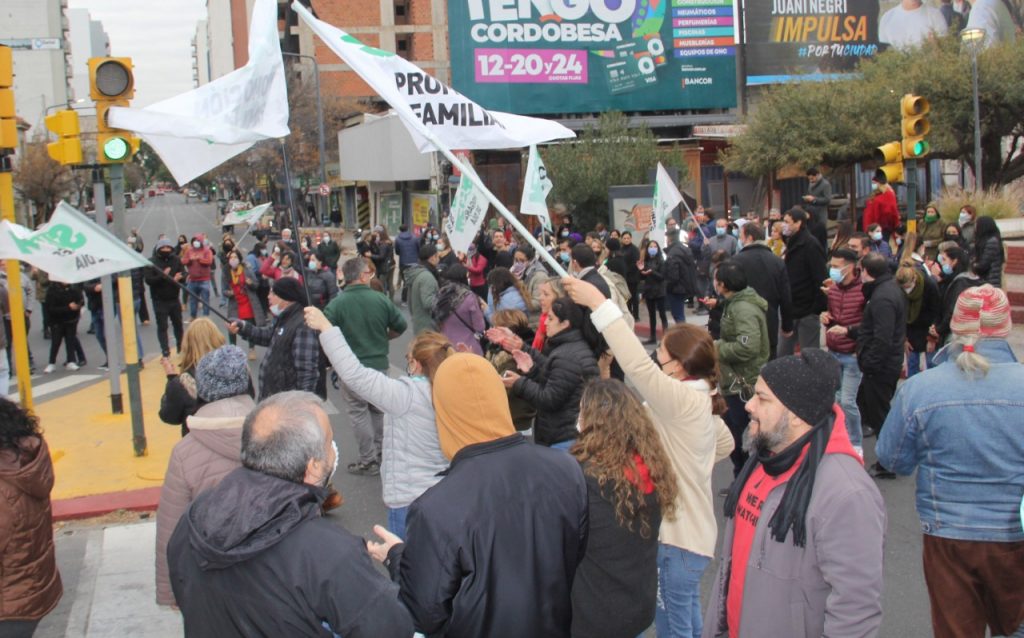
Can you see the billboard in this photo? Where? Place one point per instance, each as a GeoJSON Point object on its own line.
{"type": "Point", "coordinates": [555, 56]}
{"type": "Point", "coordinates": [819, 39]}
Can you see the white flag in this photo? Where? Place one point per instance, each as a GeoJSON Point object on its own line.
{"type": "Point", "coordinates": [70, 247]}
{"type": "Point", "coordinates": [666, 198]}
{"type": "Point", "coordinates": [536, 187]}
{"type": "Point", "coordinates": [467, 214]}
{"type": "Point", "coordinates": [199, 130]}
{"type": "Point", "coordinates": [428, 106]}
{"type": "Point", "coordinates": [249, 216]}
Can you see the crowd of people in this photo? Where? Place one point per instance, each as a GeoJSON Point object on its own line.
{"type": "Point", "coordinates": [546, 474]}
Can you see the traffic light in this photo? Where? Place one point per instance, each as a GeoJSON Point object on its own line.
{"type": "Point", "coordinates": [915, 126]}
{"type": "Point", "coordinates": [889, 158]}
{"type": "Point", "coordinates": [8, 122]}
{"type": "Point", "coordinates": [111, 83]}
{"type": "Point", "coordinates": [68, 147]}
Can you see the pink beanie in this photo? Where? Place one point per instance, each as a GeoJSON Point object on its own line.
{"type": "Point", "coordinates": [983, 311]}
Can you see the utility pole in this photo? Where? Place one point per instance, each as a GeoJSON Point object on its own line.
{"type": "Point", "coordinates": [99, 197]}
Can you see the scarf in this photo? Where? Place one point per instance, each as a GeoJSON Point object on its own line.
{"type": "Point", "coordinates": [449, 298]}
{"type": "Point", "coordinates": [793, 509]}
{"type": "Point", "coordinates": [238, 276]}
{"type": "Point", "coordinates": [916, 298]}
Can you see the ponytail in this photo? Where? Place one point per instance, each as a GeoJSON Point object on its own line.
{"type": "Point", "coordinates": [970, 362]}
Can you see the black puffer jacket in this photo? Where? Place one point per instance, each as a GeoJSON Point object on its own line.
{"type": "Point", "coordinates": [883, 330]}
{"type": "Point", "coordinates": [766, 274]}
{"type": "Point", "coordinates": [807, 269]}
{"type": "Point", "coordinates": [988, 262]}
{"type": "Point", "coordinates": [253, 556]}
{"type": "Point", "coordinates": [59, 298]}
{"type": "Point", "coordinates": [555, 383]}
{"type": "Point", "coordinates": [680, 271]}
{"type": "Point", "coordinates": [160, 287]}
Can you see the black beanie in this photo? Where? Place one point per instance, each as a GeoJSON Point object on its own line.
{"type": "Point", "coordinates": [289, 289]}
{"type": "Point", "coordinates": [805, 383]}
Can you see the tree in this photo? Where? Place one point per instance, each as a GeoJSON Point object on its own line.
{"type": "Point", "coordinates": [608, 154]}
{"type": "Point", "coordinates": [841, 122]}
{"type": "Point", "coordinates": [153, 168]}
{"type": "Point", "coordinates": [41, 180]}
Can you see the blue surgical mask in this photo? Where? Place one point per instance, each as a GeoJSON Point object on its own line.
{"type": "Point", "coordinates": [720, 230]}
{"type": "Point", "coordinates": [947, 269]}
{"type": "Point", "coordinates": [876, 236]}
{"type": "Point", "coordinates": [652, 251]}
{"type": "Point", "coordinates": [735, 233]}
{"type": "Point", "coordinates": [964, 218]}
{"type": "Point", "coordinates": [564, 257]}
{"type": "Point", "coordinates": [836, 275]}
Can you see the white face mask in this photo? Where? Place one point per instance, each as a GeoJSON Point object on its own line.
{"type": "Point", "coordinates": [233, 263]}
{"type": "Point", "coordinates": [275, 310]}
{"type": "Point", "coordinates": [334, 446]}
{"type": "Point", "coordinates": [327, 239]}
{"type": "Point", "coordinates": [197, 245]}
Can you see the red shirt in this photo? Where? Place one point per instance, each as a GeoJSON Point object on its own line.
{"type": "Point", "coordinates": [748, 513]}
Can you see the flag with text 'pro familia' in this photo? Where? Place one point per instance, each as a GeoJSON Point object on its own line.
{"type": "Point", "coordinates": [203, 128]}
{"type": "Point", "coordinates": [429, 107]}
{"type": "Point", "coordinates": [536, 187]}
{"type": "Point", "coordinates": [666, 198]}
{"type": "Point", "coordinates": [467, 214]}
{"type": "Point", "coordinates": [70, 247]}
{"type": "Point", "coordinates": [249, 216]}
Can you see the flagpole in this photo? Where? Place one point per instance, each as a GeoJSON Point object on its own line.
{"type": "Point", "coordinates": [191, 294]}
{"type": "Point", "coordinates": [473, 177]}
{"type": "Point", "coordinates": [295, 222]}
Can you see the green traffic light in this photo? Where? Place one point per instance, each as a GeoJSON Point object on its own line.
{"type": "Point", "coordinates": [116, 149]}
{"type": "Point", "coordinates": [920, 147]}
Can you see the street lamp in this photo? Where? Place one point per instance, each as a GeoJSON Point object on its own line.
{"type": "Point", "coordinates": [320, 123]}
{"type": "Point", "coordinates": [974, 41]}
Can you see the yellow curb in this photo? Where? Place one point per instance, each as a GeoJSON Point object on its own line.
{"type": "Point", "coordinates": [92, 449]}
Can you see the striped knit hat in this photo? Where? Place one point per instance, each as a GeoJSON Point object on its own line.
{"type": "Point", "coordinates": [983, 311]}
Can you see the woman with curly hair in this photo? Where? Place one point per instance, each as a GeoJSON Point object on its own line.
{"type": "Point", "coordinates": [30, 584]}
{"type": "Point", "coordinates": [630, 488]}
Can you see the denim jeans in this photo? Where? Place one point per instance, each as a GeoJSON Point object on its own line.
{"type": "Point", "coordinates": [677, 305]}
{"type": "Point", "coordinates": [678, 613]}
{"type": "Point", "coordinates": [201, 288]}
{"type": "Point", "coordinates": [396, 520]}
{"type": "Point", "coordinates": [563, 445]}
{"type": "Point", "coordinates": [914, 362]}
{"type": "Point", "coordinates": [847, 395]}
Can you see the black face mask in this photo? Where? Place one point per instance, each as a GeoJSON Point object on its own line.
{"type": "Point", "coordinates": [165, 253]}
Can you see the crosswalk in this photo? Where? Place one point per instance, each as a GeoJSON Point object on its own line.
{"type": "Point", "coordinates": [62, 383]}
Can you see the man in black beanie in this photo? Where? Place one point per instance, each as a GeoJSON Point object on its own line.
{"type": "Point", "coordinates": [292, 360]}
{"type": "Point", "coordinates": [804, 520]}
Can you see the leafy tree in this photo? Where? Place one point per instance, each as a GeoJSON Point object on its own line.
{"type": "Point", "coordinates": [841, 122]}
{"type": "Point", "coordinates": [153, 168]}
{"type": "Point", "coordinates": [41, 180]}
{"type": "Point", "coordinates": [608, 154]}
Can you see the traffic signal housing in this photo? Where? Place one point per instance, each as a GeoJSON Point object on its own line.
{"type": "Point", "coordinates": [112, 83]}
{"type": "Point", "coordinates": [889, 158]}
{"type": "Point", "coordinates": [8, 121]}
{"type": "Point", "coordinates": [915, 126]}
{"type": "Point", "coordinates": [68, 147]}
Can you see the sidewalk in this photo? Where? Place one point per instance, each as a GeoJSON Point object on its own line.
{"type": "Point", "coordinates": [109, 587]}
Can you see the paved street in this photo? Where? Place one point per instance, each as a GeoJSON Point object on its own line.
{"type": "Point", "coordinates": [98, 563]}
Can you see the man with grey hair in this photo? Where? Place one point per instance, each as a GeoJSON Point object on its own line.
{"type": "Point", "coordinates": [254, 556]}
{"type": "Point", "coordinates": [368, 320]}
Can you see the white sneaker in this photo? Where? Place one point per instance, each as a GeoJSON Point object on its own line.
{"type": "Point", "coordinates": [72, 366]}
{"type": "Point", "coordinates": [50, 368]}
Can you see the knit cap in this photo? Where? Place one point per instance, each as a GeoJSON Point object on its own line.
{"type": "Point", "coordinates": [164, 243]}
{"type": "Point", "coordinates": [983, 311]}
{"type": "Point", "coordinates": [805, 383]}
{"type": "Point", "coordinates": [222, 373]}
{"type": "Point", "coordinates": [470, 403]}
{"type": "Point", "coordinates": [290, 289]}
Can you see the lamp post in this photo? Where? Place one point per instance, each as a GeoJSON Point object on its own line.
{"type": "Point", "coordinates": [974, 40]}
{"type": "Point", "coordinates": [320, 125]}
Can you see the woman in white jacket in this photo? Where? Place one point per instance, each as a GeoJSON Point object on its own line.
{"type": "Point", "coordinates": [410, 449]}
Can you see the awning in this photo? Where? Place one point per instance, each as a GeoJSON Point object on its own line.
{"type": "Point", "coordinates": [381, 150]}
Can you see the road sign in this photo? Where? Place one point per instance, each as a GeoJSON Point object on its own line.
{"type": "Point", "coordinates": [325, 190]}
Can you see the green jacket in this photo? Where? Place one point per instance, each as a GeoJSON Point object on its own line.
{"type": "Point", "coordinates": [743, 347]}
{"type": "Point", "coordinates": [366, 318]}
{"type": "Point", "coordinates": [422, 293]}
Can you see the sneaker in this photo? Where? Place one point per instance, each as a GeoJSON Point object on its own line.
{"type": "Point", "coordinates": [880, 472]}
{"type": "Point", "coordinates": [372, 468]}
{"type": "Point", "coordinates": [72, 366]}
{"type": "Point", "coordinates": [49, 368]}
{"type": "Point", "coordinates": [104, 366]}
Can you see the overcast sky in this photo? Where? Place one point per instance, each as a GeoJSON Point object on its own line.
{"type": "Point", "coordinates": [157, 35]}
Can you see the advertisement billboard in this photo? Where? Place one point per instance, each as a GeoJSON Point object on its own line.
{"type": "Point", "coordinates": [818, 39]}
{"type": "Point", "coordinates": [553, 56]}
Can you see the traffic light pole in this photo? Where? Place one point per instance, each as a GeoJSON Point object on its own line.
{"type": "Point", "coordinates": [107, 291]}
{"type": "Point", "coordinates": [128, 317]}
{"type": "Point", "coordinates": [910, 172]}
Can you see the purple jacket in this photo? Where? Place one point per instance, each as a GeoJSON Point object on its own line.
{"type": "Point", "coordinates": [457, 326]}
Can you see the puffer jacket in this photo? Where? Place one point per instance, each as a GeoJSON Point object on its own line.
{"type": "Point", "coordinates": [846, 308]}
{"type": "Point", "coordinates": [743, 346]}
{"type": "Point", "coordinates": [988, 264]}
{"type": "Point", "coordinates": [807, 267]}
{"type": "Point", "coordinates": [30, 584]}
{"type": "Point", "coordinates": [199, 461]}
{"type": "Point", "coordinates": [555, 384]}
{"type": "Point", "coordinates": [411, 453]}
{"type": "Point", "coordinates": [883, 329]}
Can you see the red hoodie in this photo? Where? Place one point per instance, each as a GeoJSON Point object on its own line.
{"type": "Point", "coordinates": [748, 512]}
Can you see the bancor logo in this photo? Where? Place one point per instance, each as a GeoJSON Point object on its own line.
{"type": "Point", "coordinates": [609, 11]}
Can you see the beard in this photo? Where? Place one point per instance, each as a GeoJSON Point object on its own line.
{"type": "Point", "coordinates": [764, 442]}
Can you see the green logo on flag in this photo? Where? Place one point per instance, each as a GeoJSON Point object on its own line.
{"type": "Point", "coordinates": [366, 49]}
{"type": "Point", "coordinates": [60, 236]}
